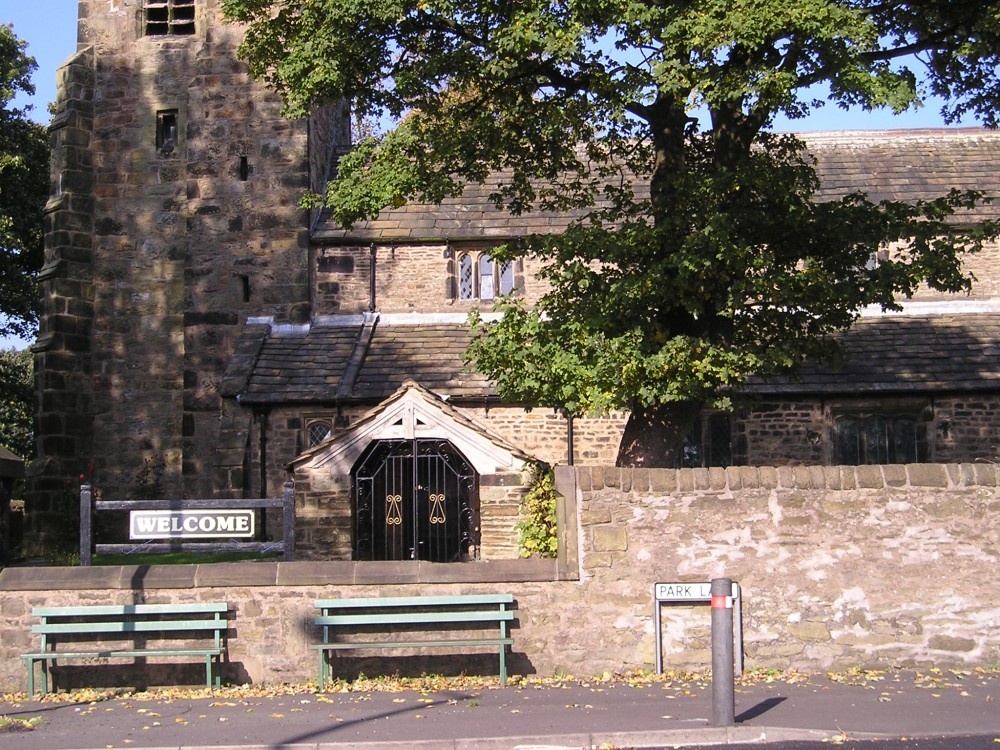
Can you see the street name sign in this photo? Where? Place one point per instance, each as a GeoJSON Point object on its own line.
{"type": "Point", "coordinates": [683, 592]}
{"type": "Point", "coordinates": [696, 592]}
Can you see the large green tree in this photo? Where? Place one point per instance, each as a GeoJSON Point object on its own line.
{"type": "Point", "coordinates": [700, 254]}
{"type": "Point", "coordinates": [17, 398]}
{"type": "Point", "coordinates": [24, 187]}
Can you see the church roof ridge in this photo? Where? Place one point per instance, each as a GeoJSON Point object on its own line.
{"type": "Point", "coordinates": [898, 165]}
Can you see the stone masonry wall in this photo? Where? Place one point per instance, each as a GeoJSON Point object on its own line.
{"type": "Point", "coordinates": [324, 528]}
{"type": "Point", "coordinates": [323, 525]}
{"type": "Point", "coordinates": [541, 433]}
{"type": "Point", "coordinates": [409, 278]}
{"type": "Point", "coordinates": [162, 249]}
{"type": "Point", "coordinates": [966, 426]}
{"type": "Point", "coordinates": [64, 422]}
{"type": "Point", "coordinates": [957, 428]}
{"type": "Point", "coordinates": [839, 566]}
{"type": "Point", "coordinates": [982, 267]}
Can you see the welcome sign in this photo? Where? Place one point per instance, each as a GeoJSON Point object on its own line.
{"type": "Point", "coordinates": [190, 524]}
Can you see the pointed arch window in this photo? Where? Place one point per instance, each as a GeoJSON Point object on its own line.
{"type": "Point", "coordinates": [486, 272]}
{"type": "Point", "coordinates": [319, 430]}
{"type": "Point", "coordinates": [466, 280]}
{"type": "Point", "coordinates": [481, 277]}
{"type": "Point", "coordinates": [506, 277]}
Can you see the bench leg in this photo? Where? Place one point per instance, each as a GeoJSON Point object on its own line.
{"type": "Point", "coordinates": [31, 678]}
{"type": "Point", "coordinates": [503, 666]}
{"type": "Point", "coordinates": [321, 679]}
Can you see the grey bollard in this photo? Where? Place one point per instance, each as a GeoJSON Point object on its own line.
{"type": "Point", "coordinates": [723, 688]}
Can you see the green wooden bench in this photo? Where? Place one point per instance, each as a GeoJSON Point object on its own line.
{"type": "Point", "coordinates": [116, 630]}
{"type": "Point", "coordinates": [396, 622]}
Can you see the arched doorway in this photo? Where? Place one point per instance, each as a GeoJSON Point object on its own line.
{"type": "Point", "coordinates": [414, 499]}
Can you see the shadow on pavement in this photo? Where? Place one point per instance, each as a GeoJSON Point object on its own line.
{"type": "Point", "coordinates": [761, 708]}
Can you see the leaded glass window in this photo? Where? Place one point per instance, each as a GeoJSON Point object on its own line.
{"type": "Point", "coordinates": [466, 281]}
{"type": "Point", "coordinates": [481, 277]}
{"type": "Point", "coordinates": [878, 439]}
{"type": "Point", "coordinates": [486, 277]}
{"type": "Point", "coordinates": [318, 432]}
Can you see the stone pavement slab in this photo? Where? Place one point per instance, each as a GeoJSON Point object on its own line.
{"type": "Point", "coordinates": [616, 714]}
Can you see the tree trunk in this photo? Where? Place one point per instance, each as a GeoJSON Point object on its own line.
{"type": "Point", "coordinates": [654, 436]}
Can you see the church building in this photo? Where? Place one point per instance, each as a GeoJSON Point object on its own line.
{"type": "Point", "coordinates": [205, 336]}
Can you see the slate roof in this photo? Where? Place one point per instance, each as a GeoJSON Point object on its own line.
{"type": "Point", "coordinates": [898, 354]}
{"type": "Point", "coordinates": [310, 366]}
{"type": "Point", "coordinates": [909, 165]}
{"type": "Point", "coordinates": [11, 465]}
{"type": "Point", "coordinates": [430, 355]}
{"type": "Point", "coordinates": [905, 165]}
{"type": "Point", "coordinates": [325, 363]}
{"type": "Point", "coordinates": [295, 367]}
{"type": "Point", "coordinates": [889, 354]}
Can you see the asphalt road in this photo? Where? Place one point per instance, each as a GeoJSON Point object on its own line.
{"type": "Point", "coordinates": [968, 742]}
{"type": "Point", "coordinates": [800, 712]}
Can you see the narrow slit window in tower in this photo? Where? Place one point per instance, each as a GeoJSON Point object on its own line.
{"type": "Point", "coordinates": [166, 131]}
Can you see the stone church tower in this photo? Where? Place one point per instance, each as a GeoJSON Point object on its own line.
{"type": "Point", "coordinates": [173, 217]}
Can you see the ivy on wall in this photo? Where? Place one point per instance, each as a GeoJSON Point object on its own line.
{"type": "Point", "coordinates": [537, 526]}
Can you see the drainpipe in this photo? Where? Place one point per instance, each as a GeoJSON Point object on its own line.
{"type": "Point", "coordinates": [371, 278]}
{"type": "Point", "coordinates": [569, 439]}
{"type": "Point", "coordinates": [263, 470]}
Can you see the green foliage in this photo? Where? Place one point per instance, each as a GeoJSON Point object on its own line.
{"type": "Point", "coordinates": [148, 481]}
{"type": "Point", "coordinates": [537, 527]}
{"type": "Point", "coordinates": [24, 187]}
{"type": "Point", "coordinates": [17, 401]}
{"type": "Point", "coordinates": [699, 253]}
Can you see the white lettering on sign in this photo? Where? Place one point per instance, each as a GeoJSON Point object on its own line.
{"type": "Point", "coordinates": [190, 524]}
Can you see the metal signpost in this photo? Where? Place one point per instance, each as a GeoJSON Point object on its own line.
{"type": "Point", "coordinates": [688, 592]}
{"type": "Point", "coordinates": [723, 687]}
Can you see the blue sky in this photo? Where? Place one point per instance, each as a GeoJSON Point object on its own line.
{"type": "Point", "coordinates": [49, 27]}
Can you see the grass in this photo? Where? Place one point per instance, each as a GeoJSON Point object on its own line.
{"type": "Point", "coordinates": [179, 558]}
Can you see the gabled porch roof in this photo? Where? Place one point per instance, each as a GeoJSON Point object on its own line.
{"type": "Point", "coordinates": [413, 412]}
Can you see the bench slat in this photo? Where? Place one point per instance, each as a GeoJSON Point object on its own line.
{"type": "Point", "coordinates": [359, 645]}
{"type": "Point", "coordinates": [128, 626]}
{"type": "Point", "coordinates": [416, 601]}
{"type": "Point", "coordinates": [111, 610]}
{"type": "Point", "coordinates": [434, 612]}
{"type": "Point", "coordinates": [53, 655]}
{"type": "Point", "coordinates": [60, 626]}
{"type": "Point", "coordinates": [414, 618]}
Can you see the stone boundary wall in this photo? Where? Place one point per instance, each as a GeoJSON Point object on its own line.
{"type": "Point", "coordinates": [840, 566]}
